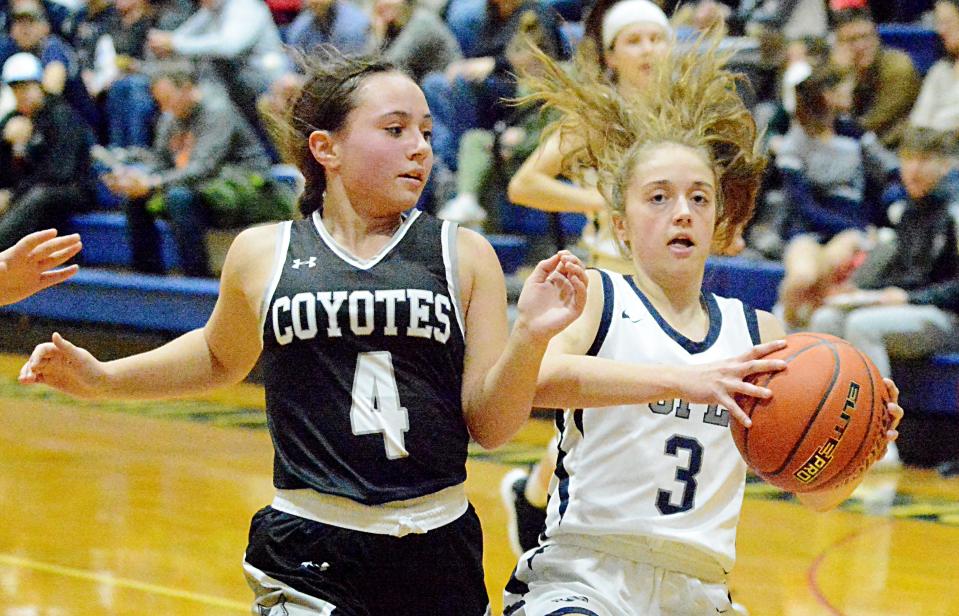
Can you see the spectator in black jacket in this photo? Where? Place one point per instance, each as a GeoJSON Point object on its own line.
{"type": "Point", "coordinates": [44, 156]}
{"type": "Point", "coordinates": [907, 299]}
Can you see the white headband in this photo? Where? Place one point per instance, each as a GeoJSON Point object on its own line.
{"type": "Point", "coordinates": [629, 12]}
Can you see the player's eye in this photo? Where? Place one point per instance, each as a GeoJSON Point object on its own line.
{"type": "Point", "coordinates": [701, 199]}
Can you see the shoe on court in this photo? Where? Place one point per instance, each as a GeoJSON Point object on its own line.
{"type": "Point", "coordinates": [526, 520]}
{"type": "Point", "coordinates": [464, 209]}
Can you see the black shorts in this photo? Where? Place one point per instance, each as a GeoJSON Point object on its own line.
{"type": "Point", "coordinates": [353, 573]}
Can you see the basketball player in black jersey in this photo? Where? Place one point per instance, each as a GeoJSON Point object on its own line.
{"type": "Point", "coordinates": [384, 344]}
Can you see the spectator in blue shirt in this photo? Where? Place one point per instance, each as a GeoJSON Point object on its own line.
{"type": "Point", "coordinates": [335, 22]}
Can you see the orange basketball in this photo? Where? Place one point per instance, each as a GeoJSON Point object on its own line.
{"type": "Point", "coordinates": [826, 421]}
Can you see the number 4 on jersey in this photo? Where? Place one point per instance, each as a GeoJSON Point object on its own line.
{"type": "Point", "coordinates": [376, 403]}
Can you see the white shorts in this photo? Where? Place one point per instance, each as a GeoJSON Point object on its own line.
{"type": "Point", "coordinates": [564, 579]}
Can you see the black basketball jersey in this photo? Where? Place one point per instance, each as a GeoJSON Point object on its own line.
{"type": "Point", "coordinates": [363, 364]}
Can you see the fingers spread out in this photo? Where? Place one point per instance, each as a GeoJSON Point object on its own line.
{"type": "Point", "coordinates": [31, 241]}
{"type": "Point", "coordinates": [756, 366]}
{"type": "Point", "coordinates": [52, 277]}
{"type": "Point", "coordinates": [57, 251]}
{"type": "Point", "coordinates": [738, 414]}
{"type": "Point", "coordinates": [761, 350]}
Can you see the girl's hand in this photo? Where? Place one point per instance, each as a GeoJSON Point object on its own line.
{"type": "Point", "coordinates": [553, 296]}
{"type": "Point", "coordinates": [64, 366]}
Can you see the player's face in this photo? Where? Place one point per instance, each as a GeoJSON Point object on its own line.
{"type": "Point", "coordinates": [635, 51]}
{"type": "Point", "coordinates": [384, 150]}
{"type": "Point", "coordinates": [670, 212]}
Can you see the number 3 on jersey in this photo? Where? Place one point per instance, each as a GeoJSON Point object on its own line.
{"type": "Point", "coordinates": [376, 403]}
{"type": "Point", "coordinates": [684, 474]}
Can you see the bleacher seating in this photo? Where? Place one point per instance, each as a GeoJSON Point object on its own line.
{"type": "Point", "coordinates": [921, 43]}
{"type": "Point", "coordinates": [176, 304]}
{"type": "Point", "coordinates": [138, 302]}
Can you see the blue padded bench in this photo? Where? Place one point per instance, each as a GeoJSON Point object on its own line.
{"type": "Point", "coordinates": [148, 303]}
{"type": "Point", "coordinates": [105, 240]}
{"type": "Point", "coordinates": [930, 385]}
{"type": "Point", "coordinates": [756, 283]}
{"type": "Point", "coordinates": [921, 43]}
{"type": "Point", "coordinates": [105, 243]}
{"type": "Point", "coordinates": [512, 251]}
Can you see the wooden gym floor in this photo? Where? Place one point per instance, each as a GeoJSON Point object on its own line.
{"type": "Point", "coordinates": [141, 509]}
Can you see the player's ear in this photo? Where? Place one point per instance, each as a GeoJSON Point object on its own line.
{"type": "Point", "coordinates": [324, 148]}
{"type": "Point", "coordinates": [620, 227]}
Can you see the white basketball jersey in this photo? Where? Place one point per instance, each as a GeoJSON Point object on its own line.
{"type": "Point", "coordinates": [662, 471]}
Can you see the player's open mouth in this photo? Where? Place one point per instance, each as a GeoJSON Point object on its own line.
{"type": "Point", "coordinates": [681, 241]}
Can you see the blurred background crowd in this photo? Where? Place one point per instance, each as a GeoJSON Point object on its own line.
{"type": "Point", "coordinates": [161, 109]}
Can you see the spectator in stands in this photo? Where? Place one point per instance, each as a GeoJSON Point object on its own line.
{"type": "Point", "coordinates": [91, 24]}
{"type": "Point", "coordinates": [339, 23]}
{"type": "Point", "coordinates": [30, 33]}
{"type": "Point", "coordinates": [170, 14]}
{"type": "Point", "coordinates": [623, 40]}
{"type": "Point", "coordinates": [830, 184]}
{"type": "Point", "coordinates": [938, 103]}
{"type": "Point", "coordinates": [473, 91]}
{"type": "Point", "coordinates": [794, 19]}
{"type": "Point", "coordinates": [413, 38]}
{"type": "Point", "coordinates": [238, 44]}
{"type": "Point", "coordinates": [111, 49]}
{"type": "Point", "coordinates": [490, 156]}
{"type": "Point", "coordinates": [44, 156]}
{"type": "Point", "coordinates": [886, 80]}
{"type": "Point", "coordinates": [905, 300]}
{"type": "Point", "coordinates": [831, 168]}
{"type": "Point", "coordinates": [200, 137]}
{"type": "Point", "coordinates": [28, 266]}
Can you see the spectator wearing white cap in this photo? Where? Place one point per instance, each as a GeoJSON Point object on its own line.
{"type": "Point", "coordinates": [44, 154]}
{"type": "Point", "coordinates": [30, 32]}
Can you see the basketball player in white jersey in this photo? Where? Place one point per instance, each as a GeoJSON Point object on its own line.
{"type": "Point", "coordinates": [383, 338]}
{"type": "Point", "coordinates": [648, 487]}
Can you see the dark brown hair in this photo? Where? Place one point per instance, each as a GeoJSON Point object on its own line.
{"type": "Point", "coordinates": [324, 102]}
{"type": "Point", "coordinates": [848, 16]}
{"type": "Point", "coordinates": [812, 110]}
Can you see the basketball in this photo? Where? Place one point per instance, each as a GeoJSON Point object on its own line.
{"type": "Point", "coordinates": [826, 421]}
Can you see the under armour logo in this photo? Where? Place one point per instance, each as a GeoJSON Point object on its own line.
{"type": "Point", "coordinates": [311, 262]}
{"type": "Point", "coordinates": [631, 319]}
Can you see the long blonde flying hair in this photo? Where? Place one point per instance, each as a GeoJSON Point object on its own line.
{"type": "Point", "coordinates": [690, 99]}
